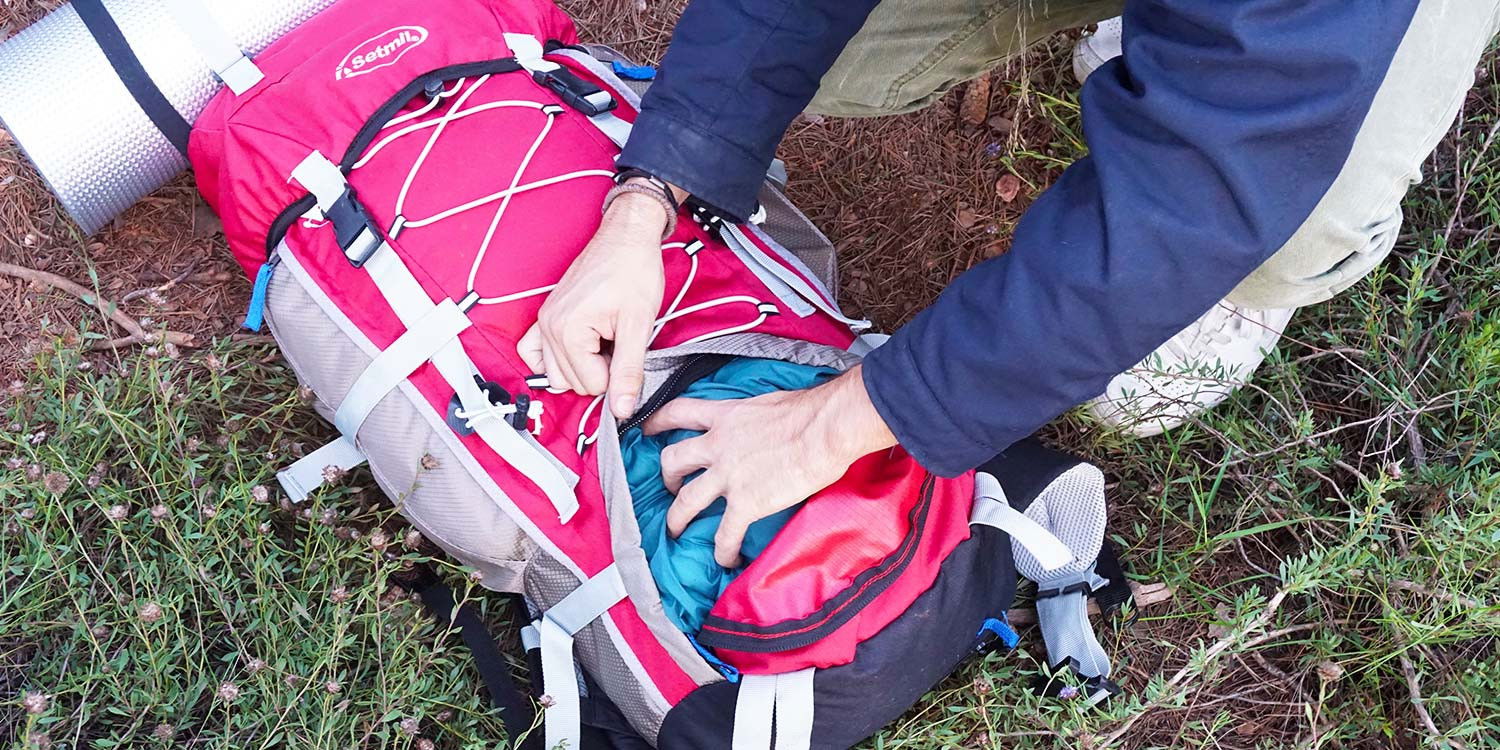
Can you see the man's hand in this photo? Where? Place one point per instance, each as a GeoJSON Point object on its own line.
{"type": "Point", "coordinates": [764, 454]}
{"type": "Point", "coordinates": [612, 292]}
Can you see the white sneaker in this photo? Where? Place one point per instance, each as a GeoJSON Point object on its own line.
{"type": "Point", "coordinates": [1192, 372]}
{"type": "Point", "coordinates": [1097, 48]}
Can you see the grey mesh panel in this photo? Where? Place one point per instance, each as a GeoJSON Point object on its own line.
{"type": "Point", "coordinates": [630, 558]}
{"type": "Point", "coordinates": [547, 583]}
{"type": "Point", "coordinates": [443, 502]}
{"type": "Point", "coordinates": [794, 231]}
{"type": "Point", "coordinates": [1072, 507]}
{"type": "Point", "coordinates": [660, 364]}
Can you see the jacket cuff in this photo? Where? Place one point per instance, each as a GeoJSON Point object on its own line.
{"type": "Point", "coordinates": [915, 415]}
{"type": "Point", "coordinates": [715, 172]}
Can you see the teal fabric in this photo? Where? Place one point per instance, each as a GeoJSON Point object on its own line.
{"type": "Point", "coordinates": [686, 574]}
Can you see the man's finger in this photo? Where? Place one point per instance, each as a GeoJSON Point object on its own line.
{"type": "Point", "coordinates": [681, 459]}
{"type": "Point", "coordinates": [691, 501]}
{"type": "Point", "coordinates": [730, 537]}
{"type": "Point", "coordinates": [627, 366]}
{"type": "Point", "coordinates": [684, 414]}
{"type": "Point", "coordinates": [529, 348]}
{"type": "Point", "coordinates": [556, 381]}
{"type": "Point", "coordinates": [590, 368]}
{"type": "Point", "coordinates": [552, 346]}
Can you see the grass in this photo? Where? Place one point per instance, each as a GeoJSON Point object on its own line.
{"type": "Point", "coordinates": [157, 593]}
{"type": "Point", "coordinates": [1332, 533]}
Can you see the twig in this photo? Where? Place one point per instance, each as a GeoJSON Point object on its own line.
{"type": "Point", "coordinates": [138, 335]}
{"type": "Point", "coordinates": [174, 281]}
{"type": "Point", "coordinates": [1169, 690]}
{"type": "Point", "coordinates": [1146, 594]}
{"type": "Point", "coordinates": [1414, 687]}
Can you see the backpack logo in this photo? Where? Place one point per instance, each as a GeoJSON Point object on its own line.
{"type": "Point", "coordinates": [379, 51]}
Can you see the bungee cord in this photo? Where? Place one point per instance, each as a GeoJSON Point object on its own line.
{"type": "Point", "coordinates": [411, 123]}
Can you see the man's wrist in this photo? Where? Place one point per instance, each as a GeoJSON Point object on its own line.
{"type": "Point", "coordinates": [847, 420]}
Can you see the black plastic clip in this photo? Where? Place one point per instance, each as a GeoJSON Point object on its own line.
{"type": "Point", "coordinates": [497, 396]}
{"type": "Point", "coordinates": [492, 391]}
{"type": "Point", "coordinates": [576, 92]}
{"type": "Point", "coordinates": [354, 229]}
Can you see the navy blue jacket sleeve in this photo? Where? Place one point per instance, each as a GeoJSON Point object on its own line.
{"type": "Point", "coordinates": [1208, 151]}
{"type": "Point", "coordinates": [735, 75]}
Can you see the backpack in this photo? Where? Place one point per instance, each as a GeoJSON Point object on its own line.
{"type": "Point", "coordinates": [404, 183]}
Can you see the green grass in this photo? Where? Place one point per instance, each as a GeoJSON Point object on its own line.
{"type": "Point", "coordinates": [1332, 533]}
{"type": "Point", "coordinates": [158, 594]}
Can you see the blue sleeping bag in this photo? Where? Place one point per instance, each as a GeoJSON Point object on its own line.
{"type": "Point", "coordinates": [689, 579]}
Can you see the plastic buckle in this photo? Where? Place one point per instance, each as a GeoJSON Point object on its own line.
{"type": "Point", "coordinates": [353, 228]}
{"type": "Point", "coordinates": [1081, 587]}
{"type": "Point", "coordinates": [577, 93]}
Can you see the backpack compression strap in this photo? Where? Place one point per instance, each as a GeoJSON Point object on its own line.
{"type": "Point", "coordinates": [554, 632]}
{"type": "Point", "coordinates": [431, 335]}
{"type": "Point", "coordinates": [783, 702]}
{"type": "Point", "coordinates": [1069, 507]}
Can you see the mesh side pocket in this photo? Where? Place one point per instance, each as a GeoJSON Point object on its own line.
{"type": "Point", "coordinates": [794, 231]}
{"type": "Point", "coordinates": [547, 583]}
{"type": "Point", "coordinates": [443, 502]}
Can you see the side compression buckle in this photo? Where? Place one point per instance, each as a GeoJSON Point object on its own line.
{"type": "Point", "coordinates": [354, 228]}
{"type": "Point", "coordinates": [577, 93]}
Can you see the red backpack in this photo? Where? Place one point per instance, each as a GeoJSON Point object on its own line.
{"type": "Point", "coordinates": [405, 184]}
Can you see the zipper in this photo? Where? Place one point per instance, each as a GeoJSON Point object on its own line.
{"type": "Point", "coordinates": [694, 368]}
{"type": "Point", "coordinates": [255, 313]}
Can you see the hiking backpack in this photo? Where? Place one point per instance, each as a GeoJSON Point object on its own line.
{"type": "Point", "coordinates": [405, 182]}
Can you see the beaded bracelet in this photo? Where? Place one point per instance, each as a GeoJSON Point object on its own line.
{"type": "Point", "coordinates": [651, 192]}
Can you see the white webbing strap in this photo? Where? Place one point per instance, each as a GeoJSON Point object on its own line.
{"type": "Point", "coordinates": [991, 508]}
{"type": "Point", "coordinates": [406, 297]}
{"type": "Point", "coordinates": [753, 711]}
{"type": "Point", "coordinates": [412, 304]}
{"type": "Point", "coordinates": [785, 700]}
{"type": "Point", "coordinates": [421, 342]}
{"type": "Point", "coordinates": [555, 631]}
{"type": "Point", "coordinates": [228, 62]}
{"type": "Point", "coordinates": [528, 51]}
{"type": "Point", "coordinates": [794, 710]}
{"type": "Point", "coordinates": [322, 178]}
{"type": "Point", "coordinates": [311, 471]}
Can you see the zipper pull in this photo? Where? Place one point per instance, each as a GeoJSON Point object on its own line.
{"type": "Point", "coordinates": [255, 314]}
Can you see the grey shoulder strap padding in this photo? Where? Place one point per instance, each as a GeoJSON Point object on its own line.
{"type": "Point", "coordinates": [1066, 631]}
{"type": "Point", "coordinates": [992, 509]}
{"type": "Point", "coordinates": [228, 62]}
{"type": "Point", "coordinates": [1070, 511]}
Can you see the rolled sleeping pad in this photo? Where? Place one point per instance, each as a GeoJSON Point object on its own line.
{"type": "Point", "coordinates": [101, 144]}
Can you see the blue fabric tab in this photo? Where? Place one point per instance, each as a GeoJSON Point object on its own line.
{"type": "Point", "coordinates": [730, 673]}
{"type": "Point", "coordinates": [634, 72]}
{"type": "Point", "coordinates": [1000, 628]}
{"type": "Point", "coordinates": [255, 313]}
